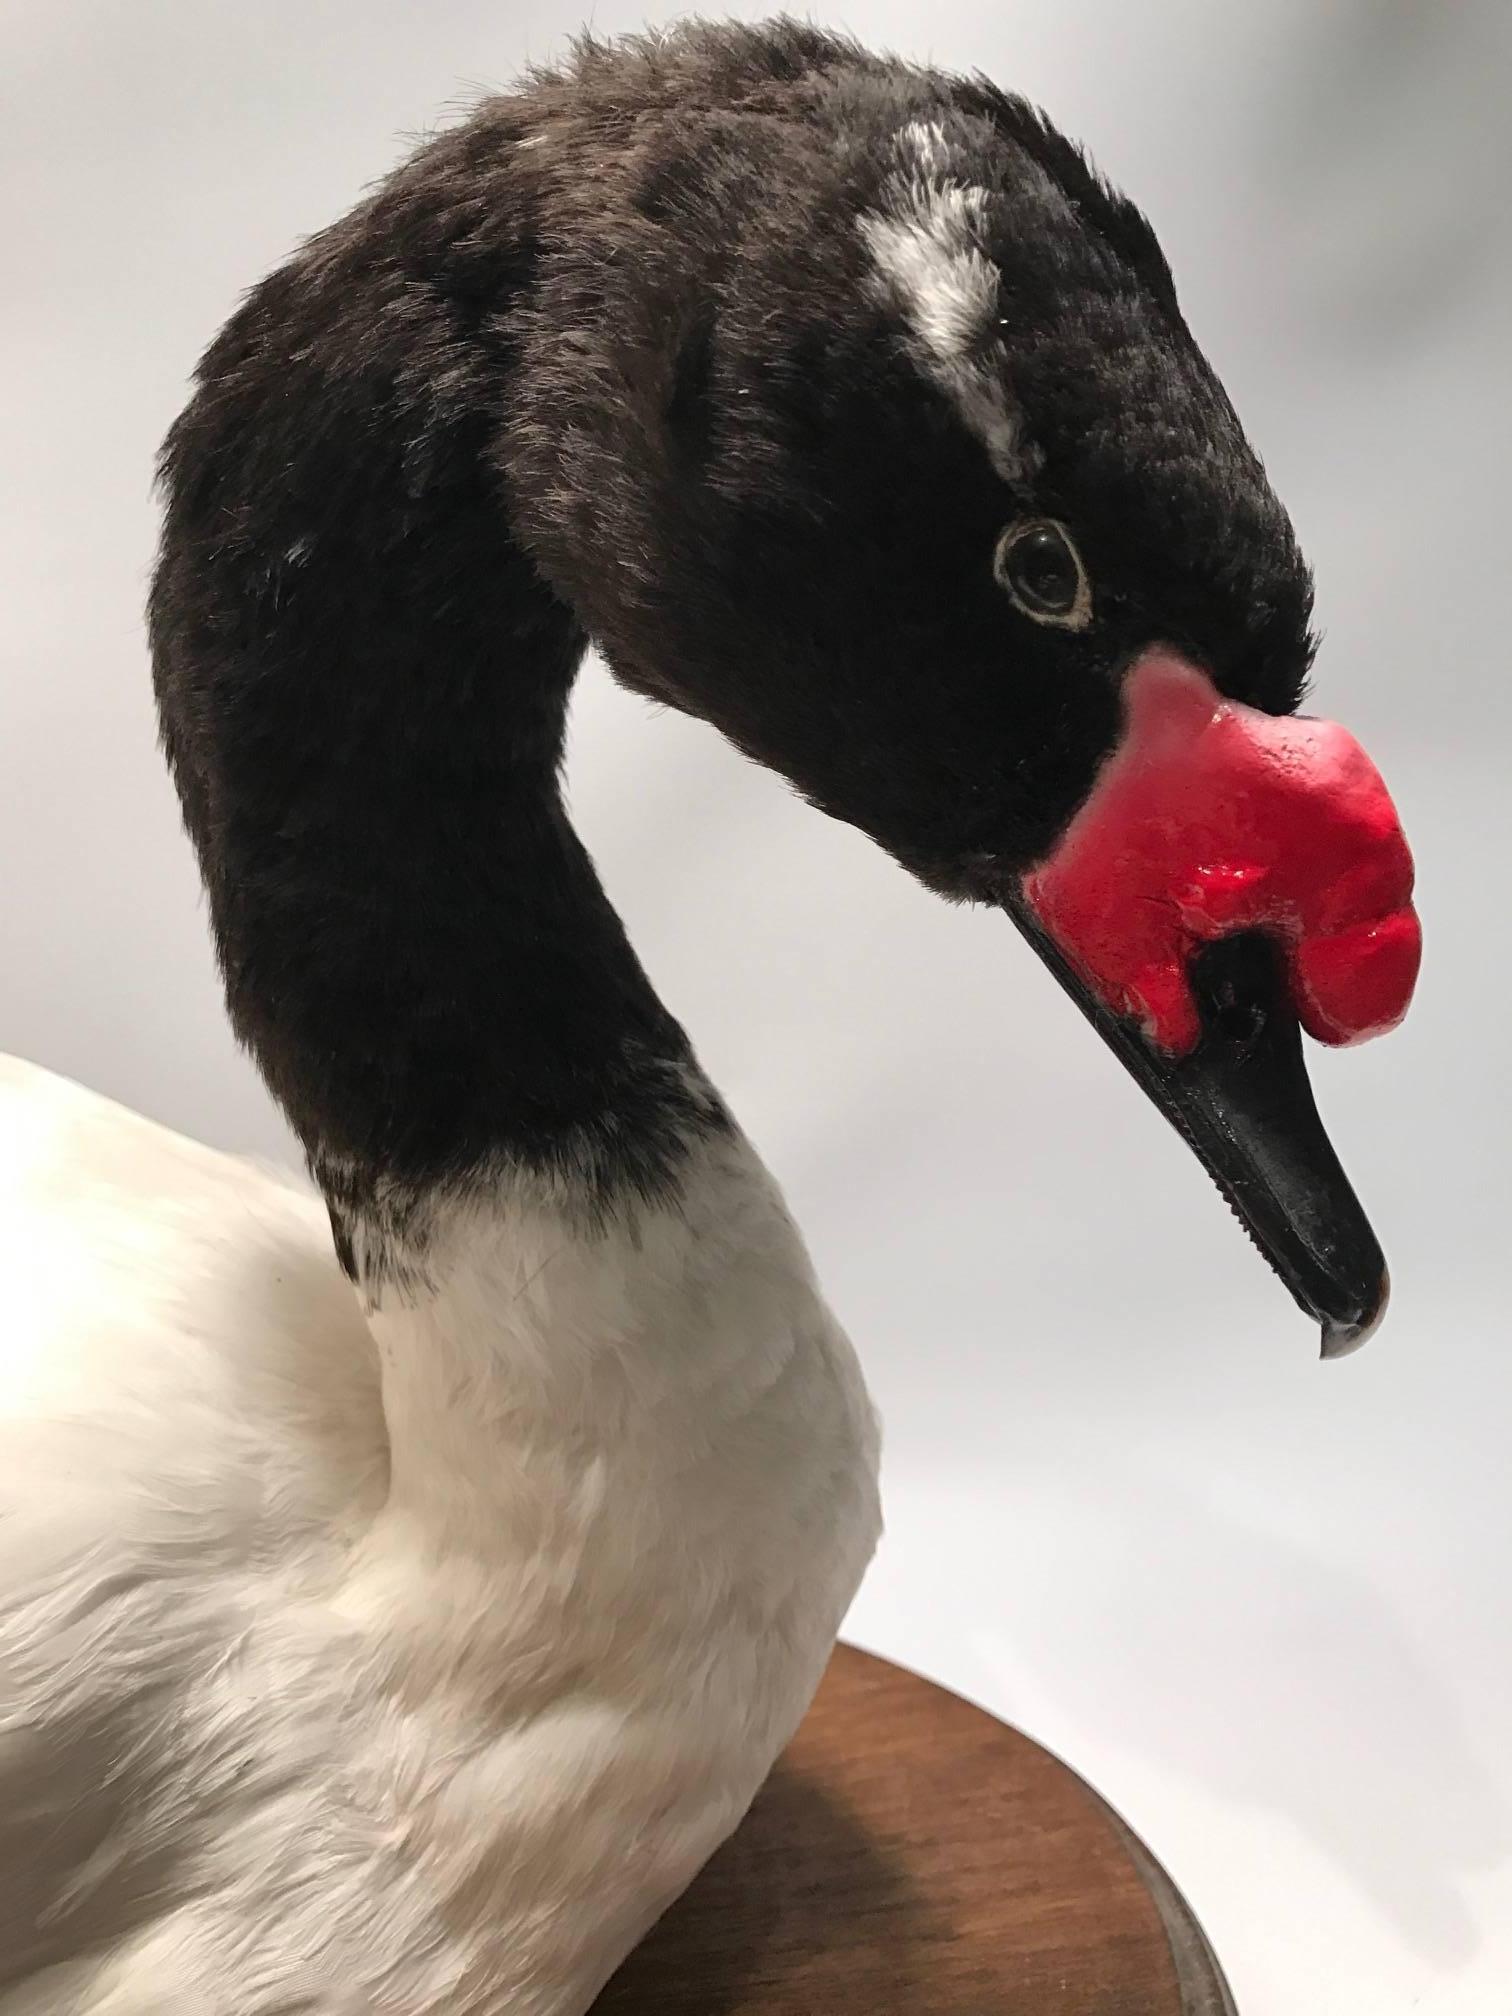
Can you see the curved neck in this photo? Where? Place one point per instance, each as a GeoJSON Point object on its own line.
{"type": "Point", "coordinates": [362, 683]}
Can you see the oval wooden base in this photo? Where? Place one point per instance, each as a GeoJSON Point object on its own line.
{"type": "Point", "coordinates": [912, 1853]}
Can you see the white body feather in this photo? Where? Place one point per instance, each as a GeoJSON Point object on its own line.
{"type": "Point", "coordinates": [403, 1668]}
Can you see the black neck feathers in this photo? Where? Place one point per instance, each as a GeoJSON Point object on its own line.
{"type": "Point", "coordinates": [362, 683]}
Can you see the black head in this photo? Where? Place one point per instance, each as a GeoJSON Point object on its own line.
{"type": "Point", "coordinates": [905, 358]}
{"type": "Point", "coordinates": [882, 444]}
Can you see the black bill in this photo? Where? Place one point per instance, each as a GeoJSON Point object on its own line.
{"type": "Point", "coordinates": [1243, 1101]}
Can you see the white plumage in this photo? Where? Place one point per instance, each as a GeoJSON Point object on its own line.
{"type": "Point", "coordinates": [412, 1668]}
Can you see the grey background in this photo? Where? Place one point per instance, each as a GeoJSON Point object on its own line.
{"type": "Point", "coordinates": [1261, 1602]}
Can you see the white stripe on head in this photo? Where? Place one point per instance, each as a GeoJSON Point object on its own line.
{"type": "Point", "coordinates": [927, 245]}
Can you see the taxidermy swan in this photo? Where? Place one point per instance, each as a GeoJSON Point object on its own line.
{"type": "Point", "coordinates": [395, 1621]}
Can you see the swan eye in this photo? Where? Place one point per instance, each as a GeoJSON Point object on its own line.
{"type": "Point", "coordinates": [1037, 562]}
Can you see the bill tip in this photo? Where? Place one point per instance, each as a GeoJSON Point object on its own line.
{"type": "Point", "coordinates": [1341, 1338]}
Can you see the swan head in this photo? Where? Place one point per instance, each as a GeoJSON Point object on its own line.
{"type": "Point", "coordinates": [919, 488]}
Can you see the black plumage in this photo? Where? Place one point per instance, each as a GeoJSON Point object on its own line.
{"type": "Point", "coordinates": [611, 361]}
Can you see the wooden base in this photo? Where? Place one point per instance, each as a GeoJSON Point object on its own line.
{"type": "Point", "coordinates": [911, 1853]}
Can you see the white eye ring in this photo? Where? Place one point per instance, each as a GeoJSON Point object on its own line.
{"type": "Point", "coordinates": [1036, 561]}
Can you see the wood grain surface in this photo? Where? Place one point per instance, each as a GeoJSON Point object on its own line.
{"type": "Point", "coordinates": [912, 1853]}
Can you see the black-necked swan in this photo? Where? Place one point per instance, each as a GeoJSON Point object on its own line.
{"type": "Point", "coordinates": [408, 1651]}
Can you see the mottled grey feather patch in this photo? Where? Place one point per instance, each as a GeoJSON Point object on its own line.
{"type": "Point", "coordinates": [927, 244]}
